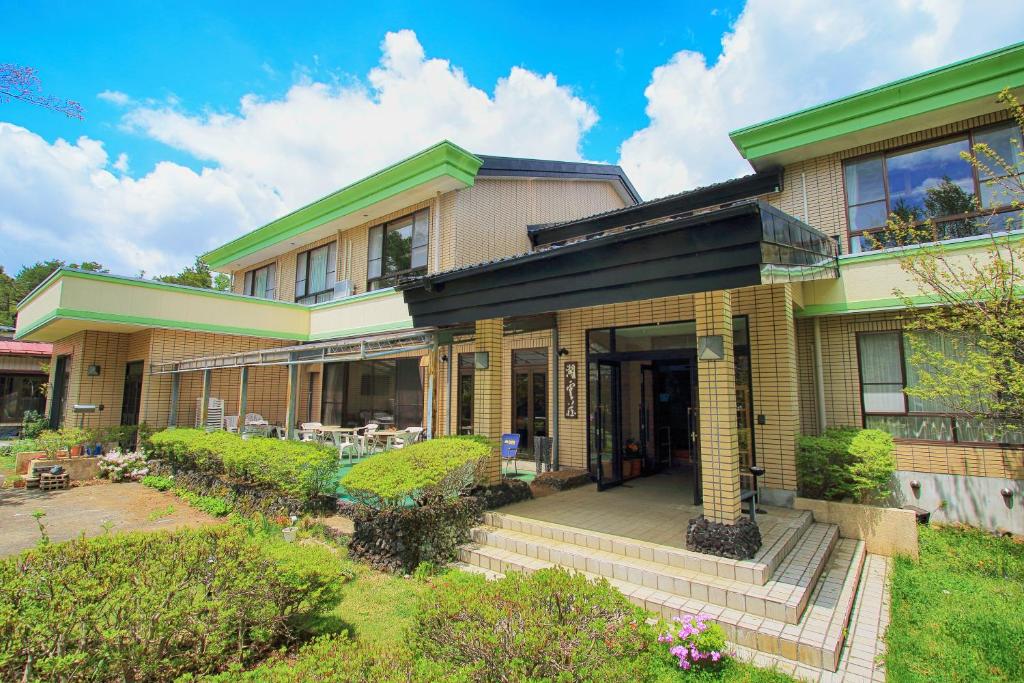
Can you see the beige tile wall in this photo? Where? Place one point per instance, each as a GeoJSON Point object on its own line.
{"type": "Point", "coordinates": [842, 400]}
{"type": "Point", "coordinates": [826, 209]}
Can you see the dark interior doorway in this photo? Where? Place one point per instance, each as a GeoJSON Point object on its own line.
{"type": "Point", "coordinates": [529, 396]}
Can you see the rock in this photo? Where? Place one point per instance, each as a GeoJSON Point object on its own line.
{"type": "Point", "coordinates": [738, 541]}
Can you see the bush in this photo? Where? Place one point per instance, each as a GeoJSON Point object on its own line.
{"type": "Point", "coordinates": [846, 463]}
{"type": "Point", "coordinates": [401, 538]}
{"type": "Point", "coordinates": [300, 469]}
{"type": "Point", "coordinates": [32, 424]}
{"type": "Point", "coordinates": [153, 606]}
{"type": "Point", "coordinates": [550, 625]}
{"type": "Point", "coordinates": [123, 466]}
{"type": "Point", "coordinates": [430, 470]}
{"type": "Point", "coordinates": [217, 507]}
{"type": "Point", "coordinates": [53, 441]}
{"type": "Point", "coordinates": [158, 482]}
{"type": "Point", "coordinates": [695, 641]}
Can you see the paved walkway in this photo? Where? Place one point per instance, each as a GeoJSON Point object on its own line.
{"type": "Point", "coordinates": [861, 658]}
{"type": "Point", "coordinates": [85, 509]}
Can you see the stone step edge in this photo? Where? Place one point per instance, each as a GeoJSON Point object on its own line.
{"type": "Point", "coordinates": [758, 633]}
{"type": "Point", "coordinates": [755, 572]}
{"type": "Point", "coordinates": [669, 579]}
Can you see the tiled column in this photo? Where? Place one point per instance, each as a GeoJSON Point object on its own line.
{"type": "Point", "coordinates": [487, 390]}
{"type": "Point", "coordinates": [719, 450]}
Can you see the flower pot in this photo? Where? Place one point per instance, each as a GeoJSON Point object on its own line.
{"type": "Point", "coordinates": [76, 451]}
{"type": "Point", "coordinates": [289, 533]}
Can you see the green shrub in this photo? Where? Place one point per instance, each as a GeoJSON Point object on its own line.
{"type": "Point", "coordinates": [336, 658]}
{"type": "Point", "coordinates": [437, 469]}
{"type": "Point", "coordinates": [299, 469]}
{"type": "Point", "coordinates": [158, 482]}
{"type": "Point", "coordinates": [550, 625]}
{"type": "Point", "coordinates": [846, 463]}
{"type": "Point", "coordinates": [20, 446]}
{"type": "Point", "coordinates": [153, 606]}
{"type": "Point", "coordinates": [217, 507]}
{"type": "Point", "coordinates": [53, 441]}
{"type": "Point", "coordinates": [32, 424]}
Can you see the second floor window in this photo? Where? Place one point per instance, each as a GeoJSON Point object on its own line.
{"type": "Point", "coordinates": [398, 248]}
{"type": "Point", "coordinates": [261, 282]}
{"type": "Point", "coordinates": [315, 273]}
{"type": "Point", "coordinates": [931, 181]}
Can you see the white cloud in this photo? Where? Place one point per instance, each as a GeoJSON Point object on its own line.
{"type": "Point", "coordinates": [115, 97]}
{"type": "Point", "coordinates": [61, 200]}
{"type": "Point", "coordinates": [267, 158]}
{"type": "Point", "coordinates": [783, 56]}
{"type": "Point", "coordinates": [321, 136]}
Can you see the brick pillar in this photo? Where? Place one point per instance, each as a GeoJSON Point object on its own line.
{"type": "Point", "coordinates": [487, 390]}
{"type": "Point", "coordinates": [719, 449]}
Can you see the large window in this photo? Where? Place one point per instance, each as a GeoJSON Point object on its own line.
{"type": "Point", "coordinates": [261, 282]}
{"type": "Point", "coordinates": [21, 392]}
{"type": "Point", "coordinates": [885, 373]}
{"type": "Point", "coordinates": [388, 392]}
{"type": "Point", "coordinates": [934, 182]}
{"type": "Point", "coordinates": [315, 272]}
{"type": "Point", "coordinates": [398, 248]}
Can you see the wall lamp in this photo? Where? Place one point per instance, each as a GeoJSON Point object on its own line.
{"type": "Point", "coordinates": [563, 351]}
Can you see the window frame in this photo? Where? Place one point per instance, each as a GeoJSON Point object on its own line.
{"type": "Point", "coordinates": [249, 281]}
{"type": "Point", "coordinates": [969, 135]}
{"type": "Point", "coordinates": [332, 266]}
{"type": "Point", "coordinates": [951, 417]}
{"type": "Point", "coordinates": [386, 279]}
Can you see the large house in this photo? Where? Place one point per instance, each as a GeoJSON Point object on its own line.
{"type": "Point", "coordinates": [699, 334]}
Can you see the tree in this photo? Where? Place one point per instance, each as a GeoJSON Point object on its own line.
{"type": "Point", "coordinates": [197, 275]}
{"type": "Point", "coordinates": [966, 326]}
{"type": "Point", "coordinates": [22, 83]}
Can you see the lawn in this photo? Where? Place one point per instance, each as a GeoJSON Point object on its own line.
{"type": "Point", "coordinates": [956, 613]}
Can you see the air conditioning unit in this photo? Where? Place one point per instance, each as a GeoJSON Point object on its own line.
{"type": "Point", "coordinates": [342, 288]}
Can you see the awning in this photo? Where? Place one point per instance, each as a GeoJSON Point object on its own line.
{"type": "Point", "coordinates": [353, 348]}
{"type": "Point", "coordinates": [747, 244]}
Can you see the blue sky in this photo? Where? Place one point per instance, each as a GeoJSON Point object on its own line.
{"type": "Point", "coordinates": [210, 54]}
{"type": "Point", "coordinates": [205, 120]}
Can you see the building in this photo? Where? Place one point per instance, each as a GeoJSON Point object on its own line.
{"type": "Point", "coordinates": [467, 293]}
{"type": "Point", "coordinates": [23, 376]}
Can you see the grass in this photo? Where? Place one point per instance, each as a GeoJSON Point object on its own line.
{"type": "Point", "coordinates": [377, 608]}
{"type": "Point", "coordinates": [956, 612]}
{"type": "Point", "coordinates": [7, 463]}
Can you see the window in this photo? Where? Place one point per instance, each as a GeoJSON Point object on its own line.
{"type": "Point", "coordinates": [931, 181]}
{"type": "Point", "coordinates": [388, 392]}
{"type": "Point", "coordinates": [398, 248]}
{"type": "Point", "coordinates": [885, 374]}
{"type": "Point", "coordinates": [261, 282]}
{"type": "Point", "coordinates": [467, 370]}
{"type": "Point", "coordinates": [315, 274]}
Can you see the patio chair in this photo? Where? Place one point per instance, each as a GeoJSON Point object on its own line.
{"type": "Point", "coordinates": [405, 437]}
{"type": "Point", "coordinates": [308, 431]}
{"type": "Point", "coordinates": [347, 445]}
{"type": "Point", "coordinates": [368, 440]}
{"type": "Point", "coordinates": [231, 423]}
{"type": "Point", "coordinates": [255, 424]}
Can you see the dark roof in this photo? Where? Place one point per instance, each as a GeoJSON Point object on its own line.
{"type": "Point", "coordinates": [749, 243]}
{"type": "Point", "coordinates": [725, 192]}
{"type": "Point", "coordinates": [506, 167]}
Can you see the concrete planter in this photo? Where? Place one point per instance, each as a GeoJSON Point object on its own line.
{"type": "Point", "coordinates": [885, 531]}
{"type": "Point", "coordinates": [21, 460]}
{"type": "Point", "coordinates": [79, 468]}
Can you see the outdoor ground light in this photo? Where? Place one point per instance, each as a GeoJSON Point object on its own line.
{"type": "Point", "coordinates": [1006, 493]}
{"type": "Point", "coordinates": [711, 347]}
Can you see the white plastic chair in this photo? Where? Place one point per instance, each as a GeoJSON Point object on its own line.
{"type": "Point", "coordinates": [347, 445]}
{"type": "Point", "coordinates": [405, 437]}
{"type": "Point", "coordinates": [368, 441]}
{"type": "Point", "coordinates": [231, 423]}
{"type": "Point", "coordinates": [255, 424]}
{"type": "Point", "coordinates": [309, 431]}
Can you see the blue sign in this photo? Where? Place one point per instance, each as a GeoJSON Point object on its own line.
{"type": "Point", "coordinates": [509, 445]}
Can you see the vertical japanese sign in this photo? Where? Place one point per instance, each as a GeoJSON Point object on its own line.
{"type": "Point", "coordinates": [571, 388]}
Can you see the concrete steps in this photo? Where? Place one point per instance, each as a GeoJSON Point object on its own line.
{"type": "Point", "coordinates": [757, 570]}
{"type": "Point", "coordinates": [799, 613]}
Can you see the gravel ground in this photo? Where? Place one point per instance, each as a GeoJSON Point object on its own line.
{"type": "Point", "coordinates": [85, 509]}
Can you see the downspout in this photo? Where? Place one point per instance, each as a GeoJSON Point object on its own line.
{"type": "Point", "coordinates": [448, 415]}
{"type": "Point", "coordinates": [437, 233]}
{"type": "Point", "coordinates": [554, 396]}
{"type": "Point", "coordinates": [819, 377]}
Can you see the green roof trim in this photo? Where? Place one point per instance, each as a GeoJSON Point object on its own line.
{"type": "Point", "coordinates": [148, 284]}
{"type": "Point", "coordinates": [970, 79]}
{"type": "Point", "coordinates": [94, 316]}
{"type": "Point", "coordinates": [443, 159]}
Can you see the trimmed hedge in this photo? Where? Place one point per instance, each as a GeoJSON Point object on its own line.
{"type": "Point", "coordinates": [846, 463]}
{"type": "Point", "coordinates": [399, 539]}
{"type": "Point", "coordinates": [295, 469]}
{"type": "Point", "coordinates": [550, 625]}
{"type": "Point", "coordinates": [154, 606]}
{"type": "Point", "coordinates": [430, 470]}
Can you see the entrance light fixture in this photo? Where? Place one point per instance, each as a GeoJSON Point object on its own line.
{"type": "Point", "coordinates": [711, 347]}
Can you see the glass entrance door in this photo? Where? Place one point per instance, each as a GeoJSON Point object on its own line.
{"type": "Point", "coordinates": [605, 447]}
{"type": "Point", "coordinates": [529, 396]}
